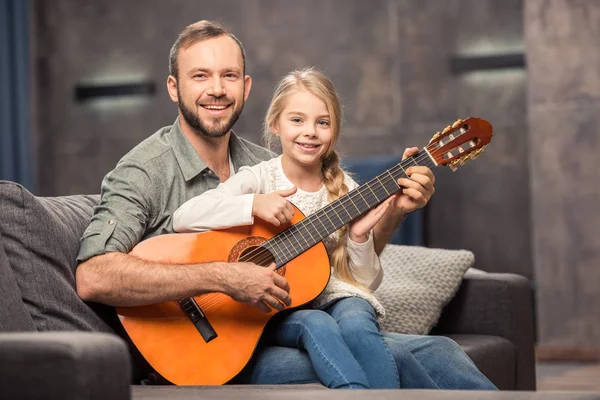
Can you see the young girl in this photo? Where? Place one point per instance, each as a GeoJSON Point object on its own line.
{"type": "Point", "coordinates": [340, 334]}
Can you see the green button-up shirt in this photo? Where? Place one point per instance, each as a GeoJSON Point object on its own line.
{"type": "Point", "coordinates": [149, 183]}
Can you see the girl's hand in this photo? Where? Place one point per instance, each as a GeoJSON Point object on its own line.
{"type": "Point", "coordinates": [360, 228]}
{"type": "Point", "coordinates": [417, 189]}
{"type": "Point", "coordinates": [273, 207]}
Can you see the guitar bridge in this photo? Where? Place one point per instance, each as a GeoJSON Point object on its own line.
{"type": "Point", "coordinates": [198, 318]}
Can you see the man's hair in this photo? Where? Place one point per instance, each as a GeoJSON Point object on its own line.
{"type": "Point", "coordinates": [196, 32]}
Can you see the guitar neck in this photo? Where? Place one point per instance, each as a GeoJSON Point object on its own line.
{"type": "Point", "coordinates": [314, 228]}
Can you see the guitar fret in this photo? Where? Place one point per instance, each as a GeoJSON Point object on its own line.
{"type": "Point", "coordinates": [305, 241]}
{"type": "Point", "coordinates": [308, 230]}
{"type": "Point", "coordinates": [360, 194]}
{"type": "Point", "coordinates": [338, 215]}
{"type": "Point", "coordinates": [341, 202]}
{"type": "Point", "coordinates": [319, 219]}
{"type": "Point", "coordinates": [285, 233]}
{"type": "Point", "coordinates": [276, 244]}
{"type": "Point", "coordinates": [369, 186]}
{"type": "Point", "coordinates": [403, 170]}
{"type": "Point", "coordinates": [281, 243]}
{"type": "Point", "coordinates": [384, 188]}
{"type": "Point", "coordinates": [393, 179]}
{"type": "Point", "coordinates": [325, 212]}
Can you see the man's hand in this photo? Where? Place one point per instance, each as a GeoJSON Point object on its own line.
{"type": "Point", "coordinates": [417, 189]}
{"type": "Point", "coordinates": [273, 207]}
{"type": "Point", "coordinates": [261, 287]}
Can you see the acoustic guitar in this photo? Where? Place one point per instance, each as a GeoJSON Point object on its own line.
{"type": "Point", "coordinates": [208, 339]}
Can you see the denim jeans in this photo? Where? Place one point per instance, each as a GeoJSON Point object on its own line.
{"type": "Point", "coordinates": [358, 325]}
{"type": "Point", "coordinates": [423, 362]}
{"type": "Point", "coordinates": [343, 343]}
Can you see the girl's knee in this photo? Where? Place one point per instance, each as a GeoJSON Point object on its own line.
{"type": "Point", "coordinates": [351, 308]}
{"type": "Point", "coordinates": [315, 320]}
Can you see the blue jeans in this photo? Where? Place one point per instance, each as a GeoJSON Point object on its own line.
{"type": "Point", "coordinates": [423, 362]}
{"type": "Point", "coordinates": [343, 343]}
{"type": "Point", "coordinates": [358, 324]}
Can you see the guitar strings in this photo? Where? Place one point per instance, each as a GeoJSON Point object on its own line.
{"type": "Point", "coordinates": [422, 157]}
{"type": "Point", "coordinates": [375, 193]}
{"type": "Point", "coordinates": [214, 299]}
{"type": "Point", "coordinates": [330, 215]}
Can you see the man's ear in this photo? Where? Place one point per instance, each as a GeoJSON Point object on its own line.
{"type": "Point", "coordinates": [172, 88]}
{"type": "Point", "coordinates": [247, 86]}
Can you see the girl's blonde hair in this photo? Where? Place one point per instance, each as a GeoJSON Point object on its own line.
{"type": "Point", "coordinates": [315, 82]}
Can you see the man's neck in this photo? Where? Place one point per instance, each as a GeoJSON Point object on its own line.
{"type": "Point", "coordinates": [214, 151]}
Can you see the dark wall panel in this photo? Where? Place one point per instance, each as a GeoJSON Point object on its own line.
{"type": "Point", "coordinates": [564, 103]}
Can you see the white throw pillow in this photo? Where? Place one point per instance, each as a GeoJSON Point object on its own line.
{"type": "Point", "coordinates": [418, 282]}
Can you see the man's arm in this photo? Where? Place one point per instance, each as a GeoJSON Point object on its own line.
{"type": "Point", "coordinates": [108, 274]}
{"type": "Point", "coordinates": [120, 279]}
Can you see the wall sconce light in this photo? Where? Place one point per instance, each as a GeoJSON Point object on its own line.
{"type": "Point", "coordinates": [85, 92]}
{"type": "Point", "coordinates": [462, 64]}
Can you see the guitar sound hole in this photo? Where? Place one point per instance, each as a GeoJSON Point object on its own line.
{"type": "Point", "coordinates": [257, 255]}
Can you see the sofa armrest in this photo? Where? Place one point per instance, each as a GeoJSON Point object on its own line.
{"type": "Point", "coordinates": [64, 365]}
{"type": "Point", "coordinates": [496, 304]}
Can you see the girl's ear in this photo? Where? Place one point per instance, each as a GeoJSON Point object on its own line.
{"type": "Point", "coordinates": [275, 128]}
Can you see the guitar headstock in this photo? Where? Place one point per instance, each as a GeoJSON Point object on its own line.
{"type": "Point", "coordinates": [461, 141]}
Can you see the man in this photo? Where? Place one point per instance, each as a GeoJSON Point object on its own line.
{"type": "Point", "coordinates": [208, 82]}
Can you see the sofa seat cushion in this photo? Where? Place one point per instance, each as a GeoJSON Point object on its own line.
{"type": "Point", "coordinates": [495, 357]}
{"type": "Point", "coordinates": [41, 237]}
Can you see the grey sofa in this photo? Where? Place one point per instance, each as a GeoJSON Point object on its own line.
{"type": "Point", "coordinates": [53, 345]}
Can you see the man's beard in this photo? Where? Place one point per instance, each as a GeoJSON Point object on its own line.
{"type": "Point", "coordinates": [193, 120]}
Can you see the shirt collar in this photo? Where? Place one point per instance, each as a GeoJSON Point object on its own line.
{"type": "Point", "coordinates": [192, 164]}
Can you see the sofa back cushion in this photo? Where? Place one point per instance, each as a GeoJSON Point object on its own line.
{"type": "Point", "coordinates": [417, 283]}
{"type": "Point", "coordinates": [40, 237]}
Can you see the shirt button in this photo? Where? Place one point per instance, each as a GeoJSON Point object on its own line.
{"type": "Point", "coordinates": [111, 222]}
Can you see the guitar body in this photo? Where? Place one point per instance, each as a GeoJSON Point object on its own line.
{"type": "Point", "coordinates": [167, 338]}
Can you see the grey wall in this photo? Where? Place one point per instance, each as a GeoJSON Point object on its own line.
{"type": "Point", "coordinates": [564, 103]}
{"type": "Point", "coordinates": [388, 58]}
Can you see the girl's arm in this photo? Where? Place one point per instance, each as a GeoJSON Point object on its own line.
{"type": "Point", "coordinates": [229, 204]}
{"type": "Point", "coordinates": [364, 262]}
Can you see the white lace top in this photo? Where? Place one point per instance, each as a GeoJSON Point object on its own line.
{"type": "Point", "coordinates": [230, 204]}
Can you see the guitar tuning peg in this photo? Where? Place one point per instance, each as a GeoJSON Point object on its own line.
{"type": "Point", "coordinates": [437, 135]}
{"type": "Point", "coordinates": [474, 155]}
{"type": "Point", "coordinates": [452, 167]}
{"type": "Point", "coordinates": [463, 160]}
{"type": "Point", "coordinates": [457, 123]}
{"type": "Point", "coordinates": [446, 129]}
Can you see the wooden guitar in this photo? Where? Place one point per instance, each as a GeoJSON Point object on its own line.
{"type": "Point", "coordinates": [207, 340]}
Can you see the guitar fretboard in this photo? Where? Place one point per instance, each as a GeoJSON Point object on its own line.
{"type": "Point", "coordinates": [314, 228]}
